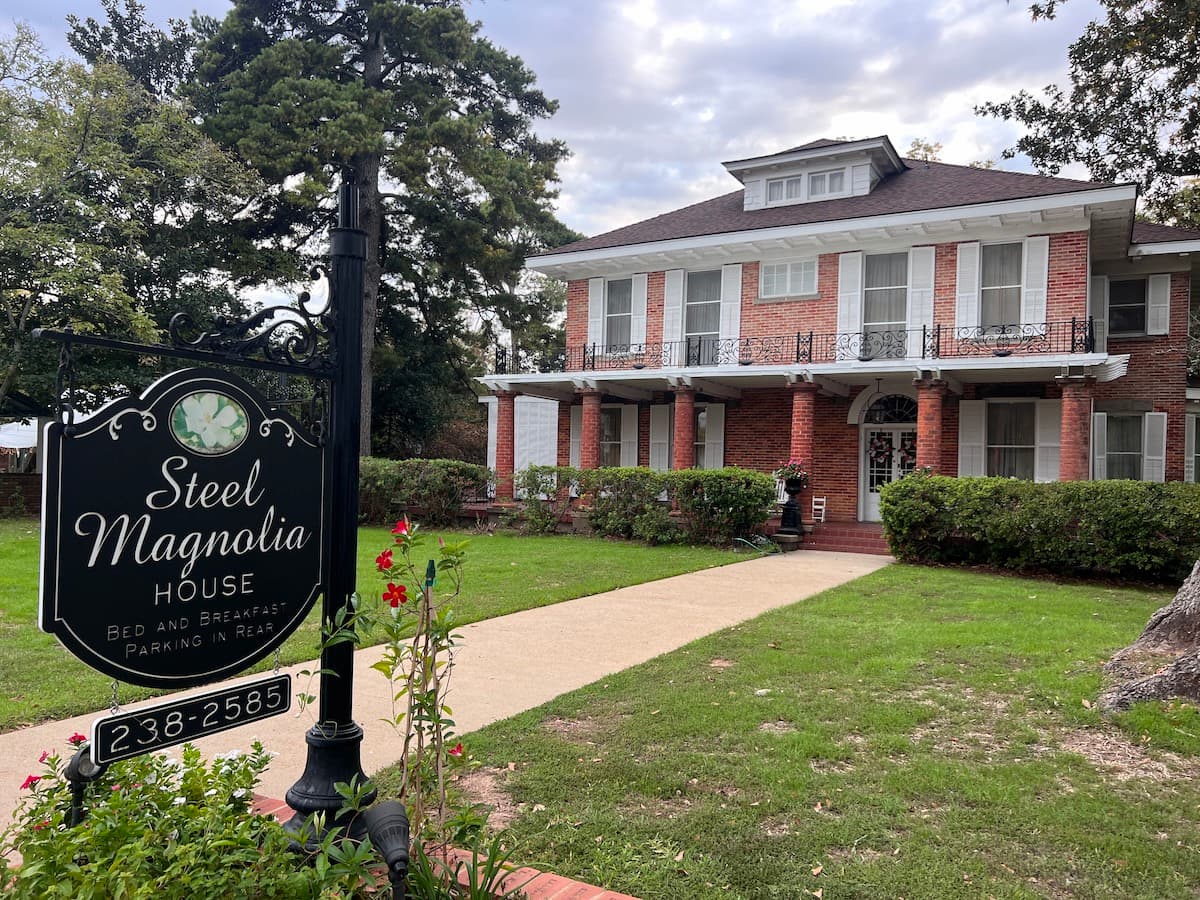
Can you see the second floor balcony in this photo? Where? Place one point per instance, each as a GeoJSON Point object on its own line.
{"type": "Point", "coordinates": [1071, 336]}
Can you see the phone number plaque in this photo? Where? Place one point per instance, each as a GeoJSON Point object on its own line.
{"type": "Point", "coordinates": [126, 735]}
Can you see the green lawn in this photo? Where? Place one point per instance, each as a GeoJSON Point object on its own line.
{"type": "Point", "coordinates": [918, 733]}
{"type": "Point", "coordinates": [505, 573]}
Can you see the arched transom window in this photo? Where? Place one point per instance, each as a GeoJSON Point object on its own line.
{"type": "Point", "coordinates": [891, 409]}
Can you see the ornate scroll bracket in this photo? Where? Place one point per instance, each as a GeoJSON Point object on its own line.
{"type": "Point", "coordinates": [295, 336]}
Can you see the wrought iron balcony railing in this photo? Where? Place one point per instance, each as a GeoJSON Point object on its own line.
{"type": "Point", "coordinates": [1075, 335]}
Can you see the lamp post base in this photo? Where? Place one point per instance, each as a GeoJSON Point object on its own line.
{"type": "Point", "coordinates": [333, 757]}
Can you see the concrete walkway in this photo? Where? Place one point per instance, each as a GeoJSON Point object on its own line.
{"type": "Point", "coordinates": [509, 664]}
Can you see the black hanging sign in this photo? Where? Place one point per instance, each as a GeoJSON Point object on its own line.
{"type": "Point", "coordinates": [182, 531]}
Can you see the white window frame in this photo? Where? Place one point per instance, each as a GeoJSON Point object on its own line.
{"type": "Point", "coordinates": [900, 325]}
{"type": "Point", "coordinates": [1020, 284]}
{"type": "Point", "coordinates": [1141, 452]}
{"type": "Point", "coordinates": [1145, 280]}
{"type": "Point", "coordinates": [609, 315]}
{"type": "Point", "coordinates": [610, 409]}
{"type": "Point", "coordinates": [794, 278]}
{"type": "Point", "coordinates": [791, 190]}
{"type": "Point", "coordinates": [987, 440]}
{"type": "Point", "coordinates": [824, 176]}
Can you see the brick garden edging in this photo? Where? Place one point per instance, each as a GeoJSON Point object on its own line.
{"type": "Point", "coordinates": [535, 884]}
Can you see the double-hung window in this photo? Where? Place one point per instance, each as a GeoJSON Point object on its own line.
{"type": "Point", "coordinates": [1011, 439]}
{"type": "Point", "coordinates": [1000, 287]}
{"type": "Point", "coordinates": [1127, 306]}
{"type": "Point", "coordinates": [885, 304]}
{"type": "Point", "coordinates": [618, 313]}
{"type": "Point", "coordinates": [788, 279]}
{"type": "Point", "coordinates": [1124, 447]}
{"type": "Point", "coordinates": [610, 436]}
{"type": "Point", "coordinates": [825, 184]}
{"type": "Point", "coordinates": [702, 317]}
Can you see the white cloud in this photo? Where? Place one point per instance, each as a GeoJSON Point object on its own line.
{"type": "Point", "coordinates": [654, 94]}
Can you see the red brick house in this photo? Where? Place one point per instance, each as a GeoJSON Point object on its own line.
{"type": "Point", "coordinates": [868, 314]}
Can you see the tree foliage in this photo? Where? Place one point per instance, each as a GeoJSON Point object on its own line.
{"type": "Point", "coordinates": [1131, 111]}
{"type": "Point", "coordinates": [432, 121]}
{"type": "Point", "coordinates": [108, 204]}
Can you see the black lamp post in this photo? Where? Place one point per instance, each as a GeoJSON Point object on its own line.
{"type": "Point", "coordinates": [334, 742]}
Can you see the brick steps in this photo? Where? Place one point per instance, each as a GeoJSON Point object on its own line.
{"type": "Point", "coordinates": [850, 537]}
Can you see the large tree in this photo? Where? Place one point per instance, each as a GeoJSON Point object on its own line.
{"type": "Point", "coordinates": [1132, 109]}
{"type": "Point", "coordinates": [432, 121]}
{"type": "Point", "coordinates": [107, 198]}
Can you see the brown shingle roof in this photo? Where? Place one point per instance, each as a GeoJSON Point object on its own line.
{"type": "Point", "coordinates": [922, 186]}
{"type": "Point", "coordinates": [1153, 233]}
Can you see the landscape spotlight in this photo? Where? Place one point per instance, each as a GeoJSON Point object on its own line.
{"type": "Point", "coordinates": [387, 825]}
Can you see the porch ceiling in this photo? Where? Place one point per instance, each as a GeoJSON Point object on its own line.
{"type": "Point", "coordinates": [834, 378]}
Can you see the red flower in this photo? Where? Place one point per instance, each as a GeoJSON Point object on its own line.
{"type": "Point", "coordinates": [76, 739]}
{"type": "Point", "coordinates": [383, 561]}
{"type": "Point", "coordinates": [456, 750]}
{"type": "Point", "coordinates": [401, 528]}
{"type": "Point", "coordinates": [45, 823]}
{"type": "Point", "coordinates": [395, 594]}
{"type": "Point", "coordinates": [45, 756]}
{"type": "Point", "coordinates": [30, 781]}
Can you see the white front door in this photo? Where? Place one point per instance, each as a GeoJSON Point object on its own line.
{"type": "Point", "coordinates": [887, 453]}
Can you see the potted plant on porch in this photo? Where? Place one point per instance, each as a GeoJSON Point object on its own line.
{"type": "Point", "coordinates": [794, 476]}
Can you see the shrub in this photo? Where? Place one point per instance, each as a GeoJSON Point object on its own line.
{"type": "Point", "coordinates": [437, 486]}
{"type": "Point", "coordinates": [159, 827]}
{"type": "Point", "coordinates": [541, 502]}
{"type": "Point", "coordinates": [625, 503]}
{"type": "Point", "coordinates": [718, 505]}
{"type": "Point", "coordinates": [1132, 529]}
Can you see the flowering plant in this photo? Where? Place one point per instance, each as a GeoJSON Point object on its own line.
{"type": "Point", "coordinates": [792, 469]}
{"type": "Point", "coordinates": [417, 660]}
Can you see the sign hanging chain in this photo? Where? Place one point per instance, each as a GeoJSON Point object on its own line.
{"type": "Point", "coordinates": [113, 705]}
{"type": "Point", "coordinates": [275, 661]}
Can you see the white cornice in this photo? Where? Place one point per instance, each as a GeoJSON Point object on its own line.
{"type": "Point", "coordinates": [576, 264]}
{"type": "Point", "coordinates": [1164, 247]}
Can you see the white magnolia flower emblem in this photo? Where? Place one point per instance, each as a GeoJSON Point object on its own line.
{"type": "Point", "coordinates": [208, 422]}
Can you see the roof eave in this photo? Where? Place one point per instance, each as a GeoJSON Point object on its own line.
{"type": "Point", "coordinates": [1090, 196]}
{"type": "Point", "coordinates": [1164, 248]}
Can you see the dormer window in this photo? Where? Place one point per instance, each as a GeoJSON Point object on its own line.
{"type": "Point", "coordinates": [780, 190]}
{"type": "Point", "coordinates": [826, 184]}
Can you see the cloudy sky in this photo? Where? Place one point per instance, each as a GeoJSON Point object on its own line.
{"type": "Point", "coordinates": [655, 94]}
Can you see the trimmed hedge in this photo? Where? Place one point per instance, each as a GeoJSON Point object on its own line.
{"type": "Point", "coordinates": [1132, 529]}
{"type": "Point", "coordinates": [718, 505]}
{"type": "Point", "coordinates": [625, 503]}
{"type": "Point", "coordinates": [439, 487]}
{"type": "Point", "coordinates": [715, 505]}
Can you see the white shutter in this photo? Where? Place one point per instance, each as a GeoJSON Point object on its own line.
{"type": "Point", "coordinates": [536, 429]}
{"type": "Point", "coordinates": [660, 437]}
{"type": "Point", "coordinates": [971, 422]}
{"type": "Point", "coordinates": [637, 321]}
{"type": "Point", "coordinates": [1154, 447]}
{"type": "Point", "coordinates": [492, 409]}
{"type": "Point", "coordinates": [731, 301]}
{"type": "Point", "coordinates": [673, 317]}
{"type": "Point", "coordinates": [1099, 446]}
{"type": "Point", "coordinates": [966, 310]}
{"type": "Point", "coordinates": [575, 453]}
{"type": "Point", "coordinates": [595, 333]}
{"type": "Point", "coordinates": [1098, 310]}
{"type": "Point", "coordinates": [714, 436]}
{"type": "Point", "coordinates": [1189, 448]}
{"type": "Point", "coordinates": [1048, 436]}
{"type": "Point", "coordinates": [849, 317]}
{"type": "Point", "coordinates": [1036, 275]}
{"type": "Point", "coordinates": [752, 195]}
{"type": "Point", "coordinates": [1158, 305]}
{"type": "Point", "coordinates": [920, 297]}
{"type": "Point", "coordinates": [629, 434]}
